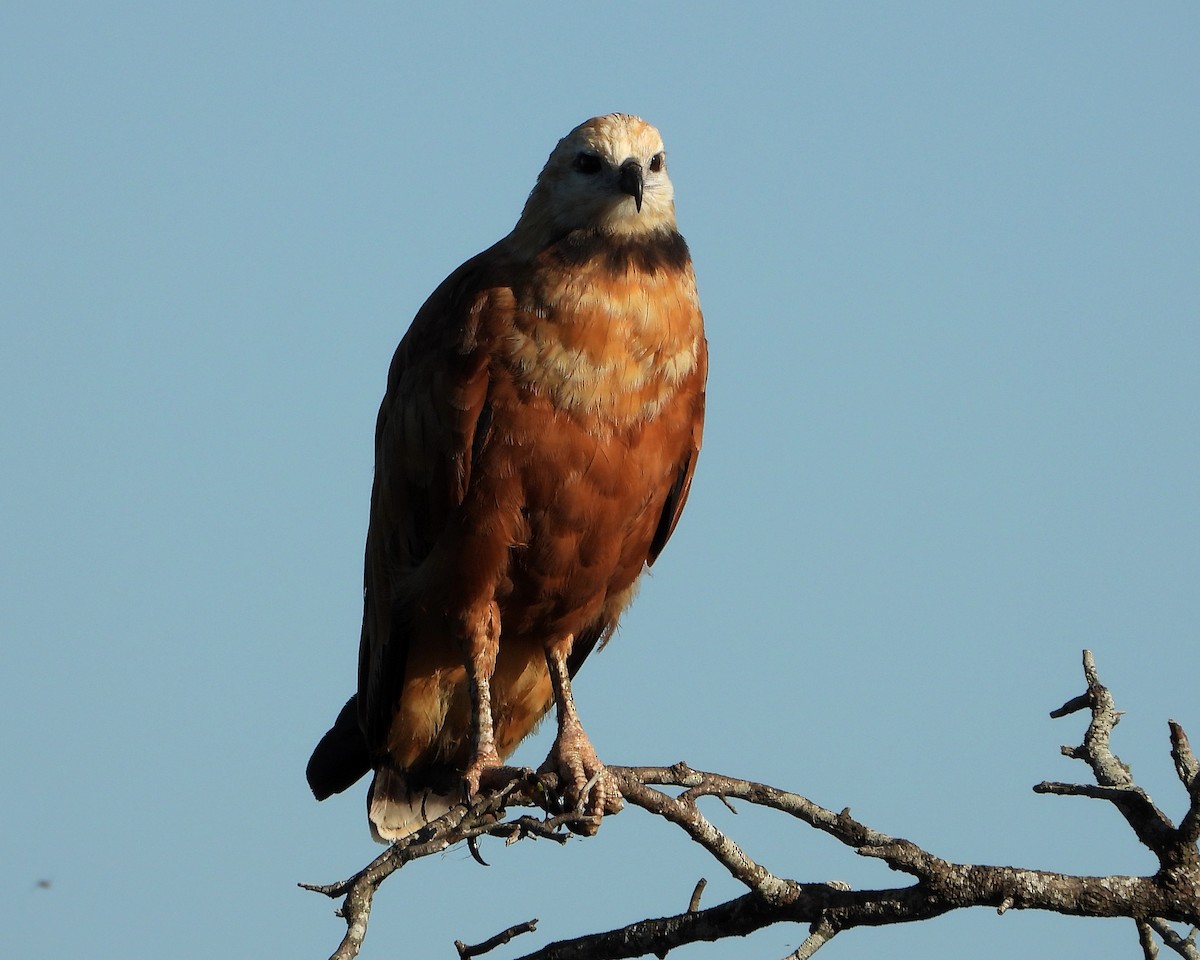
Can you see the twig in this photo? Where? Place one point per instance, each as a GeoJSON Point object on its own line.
{"type": "Point", "coordinates": [1188, 769]}
{"type": "Point", "coordinates": [821, 934]}
{"type": "Point", "coordinates": [461, 823]}
{"type": "Point", "coordinates": [1152, 827]}
{"type": "Point", "coordinates": [696, 825]}
{"type": "Point", "coordinates": [1146, 940]}
{"type": "Point", "coordinates": [1185, 947]}
{"type": "Point", "coordinates": [491, 943]}
{"type": "Point", "coordinates": [1185, 761]}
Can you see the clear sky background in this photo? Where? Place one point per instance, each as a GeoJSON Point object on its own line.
{"type": "Point", "coordinates": [950, 264]}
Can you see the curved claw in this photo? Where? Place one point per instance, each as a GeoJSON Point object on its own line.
{"type": "Point", "coordinates": [585, 784]}
{"type": "Point", "coordinates": [473, 846]}
{"type": "Point", "coordinates": [482, 764]}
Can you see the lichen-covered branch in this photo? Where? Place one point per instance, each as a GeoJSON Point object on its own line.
{"type": "Point", "coordinates": [937, 886]}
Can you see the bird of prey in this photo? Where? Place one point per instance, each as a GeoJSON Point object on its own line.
{"type": "Point", "coordinates": [533, 453]}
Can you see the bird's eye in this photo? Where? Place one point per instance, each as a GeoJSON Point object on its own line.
{"type": "Point", "coordinates": [588, 163]}
{"type": "Point", "coordinates": [656, 162]}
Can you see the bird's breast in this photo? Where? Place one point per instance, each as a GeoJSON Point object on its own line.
{"type": "Point", "coordinates": [610, 346]}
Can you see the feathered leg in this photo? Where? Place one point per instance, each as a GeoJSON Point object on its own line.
{"type": "Point", "coordinates": [586, 784]}
{"type": "Point", "coordinates": [483, 644]}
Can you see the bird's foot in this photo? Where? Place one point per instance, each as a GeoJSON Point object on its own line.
{"type": "Point", "coordinates": [585, 783]}
{"type": "Point", "coordinates": [483, 771]}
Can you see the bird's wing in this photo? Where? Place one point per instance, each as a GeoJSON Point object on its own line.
{"type": "Point", "coordinates": [677, 497]}
{"type": "Point", "coordinates": [431, 424]}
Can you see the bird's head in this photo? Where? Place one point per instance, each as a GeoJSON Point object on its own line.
{"type": "Point", "coordinates": [608, 174]}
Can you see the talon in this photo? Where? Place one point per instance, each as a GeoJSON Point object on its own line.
{"type": "Point", "coordinates": [479, 772]}
{"type": "Point", "coordinates": [585, 785]}
{"type": "Point", "coordinates": [473, 846]}
{"type": "Point", "coordinates": [551, 800]}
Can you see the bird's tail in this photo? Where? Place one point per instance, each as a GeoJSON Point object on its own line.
{"type": "Point", "coordinates": [397, 808]}
{"type": "Point", "coordinates": [341, 757]}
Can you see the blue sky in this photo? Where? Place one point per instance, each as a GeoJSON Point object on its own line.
{"type": "Point", "coordinates": [949, 262]}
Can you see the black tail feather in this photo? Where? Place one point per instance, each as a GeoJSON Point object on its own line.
{"type": "Point", "coordinates": [341, 758]}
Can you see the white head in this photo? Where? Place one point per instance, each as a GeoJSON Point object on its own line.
{"type": "Point", "coordinates": [608, 174]}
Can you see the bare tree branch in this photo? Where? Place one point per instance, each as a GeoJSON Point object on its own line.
{"type": "Point", "coordinates": [822, 933]}
{"type": "Point", "coordinates": [491, 943]}
{"type": "Point", "coordinates": [1151, 825]}
{"type": "Point", "coordinates": [1184, 946]}
{"type": "Point", "coordinates": [1188, 769]}
{"type": "Point", "coordinates": [1171, 895]}
{"type": "Point", "coordinates": [1146, 939]}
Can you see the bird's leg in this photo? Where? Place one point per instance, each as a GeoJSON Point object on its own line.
{"type": "Point", "coordinates": [483, 644]}
{"type": "Point", "coordinates": [586, 784]}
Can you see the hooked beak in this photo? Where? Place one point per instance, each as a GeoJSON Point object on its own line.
{"type": "Point", "coordinates": [631, 181]}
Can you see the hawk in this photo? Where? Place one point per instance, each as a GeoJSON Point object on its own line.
{"type": "Point", "coordinates": [533, 453]}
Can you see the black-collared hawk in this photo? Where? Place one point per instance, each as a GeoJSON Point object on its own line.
{"type": "Point", "coordinates": [533, 453]}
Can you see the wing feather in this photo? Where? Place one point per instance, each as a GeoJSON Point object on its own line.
{"type": "Point", "coordinates": [431, 424]}
{"type": "Point", "coordinates": [677, 497]}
